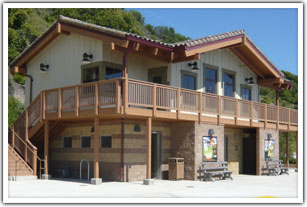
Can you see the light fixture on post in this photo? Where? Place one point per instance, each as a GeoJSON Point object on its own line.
{"type": "Point", "coordinates": [43, 68]}
{"type": "Point", "coordinates": [250, 81]}
{"type": "Point", "coordinates": [194, 64]}
{"type": "Point", "coordinates": [211, 132]}
{"type": "Point", "coordinates": [86, 58]}
{"type": "Point", "coordinates": [269, 136]}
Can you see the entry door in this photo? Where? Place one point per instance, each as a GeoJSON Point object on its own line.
{"type": "Point", "coordinates": [158, 75]}
{"type": "Point", "coordinates": [249, 156]}
{"type": "Point", "coordinates": [156, 155]}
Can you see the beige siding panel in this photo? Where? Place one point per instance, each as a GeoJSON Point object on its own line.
{"type": "Point", "coordinates": [64, 56]}
{"type": "Point", "coordinates": [223, 59]}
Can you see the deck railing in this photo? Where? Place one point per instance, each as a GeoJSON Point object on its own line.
{"type": "Point", "coordinates": [121, 94]}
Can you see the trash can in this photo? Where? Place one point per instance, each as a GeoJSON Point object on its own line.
{"type": "Point", "coordinates": [175, 168]}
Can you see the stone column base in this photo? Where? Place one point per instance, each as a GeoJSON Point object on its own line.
{"type": "Point", "coordinates": [46, 177]}
{"type": "Point", "coordinates": [148, 181]}
{"type": "Point", "coordinates": [96, 181]}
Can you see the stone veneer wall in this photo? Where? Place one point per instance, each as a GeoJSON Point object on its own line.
{"type": "Point", "coordinates": [262, 134]}
{"type": "Point", "coordinates": [186, 142]}
{"type": "Point", "coordinates": [109, 165]}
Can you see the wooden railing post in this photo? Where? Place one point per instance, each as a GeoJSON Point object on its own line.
{"type": "Point", "coordinates": [265, 115]}
{"type": "Point", "coordinates": [178, 103]}
{"type": "Point", "coordinates": [117, 100]}
{"type": "Point", "coordinates": [200, 106]}
{"type": "Point", "coordinates": [26, 134]}
{"type": "Point", "coordinates": [59, 102]}
{"type": "Point", "coordinates": [251, 113]}
{"type": "Point", "coordinates": [237, 112]}
{"type": "Point", "coordinates": [41, 107]}
{"type": "Point", "coordinates": [34, 161]}
{"type": "Point", "coordinates": [289, 121]}
{"type": "Point", "coordinates": [154, 99]}
{"type": "Point", "coordinates": [96, 99]}
{"type": "Point", "coordinates": [277, 117]}
{"type": "Point", "coordinates": [219, 110]}
{"type": "Point", "coordinates": [44, 105]}
{"type": "Point", "coordinates": [125, 95]}
{"type": "Point", "coordinates": [77, 101]}
{"type": "Point", "coordinates": [13, 136]}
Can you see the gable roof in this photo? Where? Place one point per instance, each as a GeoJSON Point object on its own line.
{"type": "Point", "coordinates": [237, 41]}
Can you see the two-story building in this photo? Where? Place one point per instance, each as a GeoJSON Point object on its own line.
{"type": "Point", "coordinates": [126, 103]}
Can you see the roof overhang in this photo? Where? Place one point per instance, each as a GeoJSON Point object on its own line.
{"type": "Point", "coordinates": [239, 44]}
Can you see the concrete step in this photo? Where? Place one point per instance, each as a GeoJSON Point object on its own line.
{"type": "Point", "coordinates": [18, 178]}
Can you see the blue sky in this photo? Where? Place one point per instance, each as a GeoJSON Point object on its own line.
{"type": "Point", "coordinates": [274, 31]}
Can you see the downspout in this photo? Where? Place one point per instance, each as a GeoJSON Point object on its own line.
{"type": "Point", "coordinates": [31, 80]}
{"type": "Point", "coordinates": [124, 71]}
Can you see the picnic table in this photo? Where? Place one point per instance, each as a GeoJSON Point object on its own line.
{"type": "Point", "coordinates": [276, 167]}
{"type": "Point", "coordinates": [219, 169]}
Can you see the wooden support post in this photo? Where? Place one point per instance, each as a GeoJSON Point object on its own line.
{"type": "Point", "coordinates": [265, 115]}
{"type": "Point", "coordinates": [118, 92]}
{"type": "Point", "coordinates": [154, 93]}
{"type": "Point", "coordinates": [13, 136]}
{"type": "Point", "coordinates": [149, 122]}
{"type": "Point", "coordinates": [60, 102]}
{"type": "Point", "coordinates": [96, 99]}
{"type": "Point", "coordinates": [46, 146]}
{"type": "Point", "coordinates": [287, 149]}
{"type": "Point", "coordinates": [35, 162]}
{"type": "Point", "coordinates": [122, 138]}
{"type": "Point", "coordinates": [219, 110]}
{"type": "Point", "coordinates": [26, 135]}
{"type": "Point", "coordinates": [237, 112]}
{"type": "Point", "coordinates": [96, 147]}
{"type": "Point", "coordinates": [77, 101]}
{"type": "Point", "coordinates": [200, 107]}
{"type": "Point", "coordinates": [251, 113]}
{"type": "Point", "coordinates": [297, 149]}
{"type": "Point", "coordinates": [178, 103]}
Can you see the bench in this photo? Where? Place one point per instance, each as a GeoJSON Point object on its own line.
{"type": "Point", "coordinates": [275, 167]}
{"type": "Point", "coordinates": [220, 170]}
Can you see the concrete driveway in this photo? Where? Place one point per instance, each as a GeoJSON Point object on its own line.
{"type": "Point", "coordinates": [243, 186]}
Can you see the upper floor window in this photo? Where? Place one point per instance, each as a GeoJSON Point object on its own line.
{"type": "Point", "coordinates": [188, 80]}
{"type": "Point", "coordinates": [112, 73]}
{"type": "Point", "coordinates": [229, 86]}
{"type": "Point", "coordinates": [210, 80]}
{"type": "Point", "coordinates": [246, 93]}
{"type": "Point", "coordinates": [86, 142]}
{"type": "Point", "coordinates": [90, 74]}
{"type": "Point", "coordinates": [67, 142]}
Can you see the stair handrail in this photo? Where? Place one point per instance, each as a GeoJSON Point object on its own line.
{"type": "Point", "coordinates": [28, 146]}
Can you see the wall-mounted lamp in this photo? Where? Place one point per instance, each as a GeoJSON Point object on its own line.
{"type": "Point", "coordinates": [93, 129]}
{"type": "Point", "coordinates": [194, 64]}
{"type": "Point", "coordinates": [137, 128]}
{"type": "Point", "coordinates": [250, 81]}
{"type": "Point", "coordinates": [269, 136]}
{"type": "Point", "coordinates": [236, 148]}
{"type": "Point", "coordinates": [43, 68]}
{"type": "Point", "coordinates": [86, 58]}
{"type": "Point", "coordinates": [211, 132]}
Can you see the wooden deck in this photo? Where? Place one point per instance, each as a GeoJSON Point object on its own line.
{"type": "Point", "coordinates": [138, 99]}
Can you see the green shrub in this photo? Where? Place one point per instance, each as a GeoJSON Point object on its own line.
{"type": "Point", "coordinates": [19, 78]}
{"type": "Point", "coordinates": [15, 109]}
{"type": "Point", "coordinates": [292, 160]}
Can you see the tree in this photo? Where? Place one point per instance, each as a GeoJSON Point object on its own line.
{"type": "Point", "coordinates": [15, 110]}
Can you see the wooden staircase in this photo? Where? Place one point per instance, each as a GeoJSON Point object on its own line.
{"type": "Point", "coordinates": [17, 165]}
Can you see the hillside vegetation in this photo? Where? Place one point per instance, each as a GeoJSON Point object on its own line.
{"type": "Point", "coordinates": [25, 25]}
